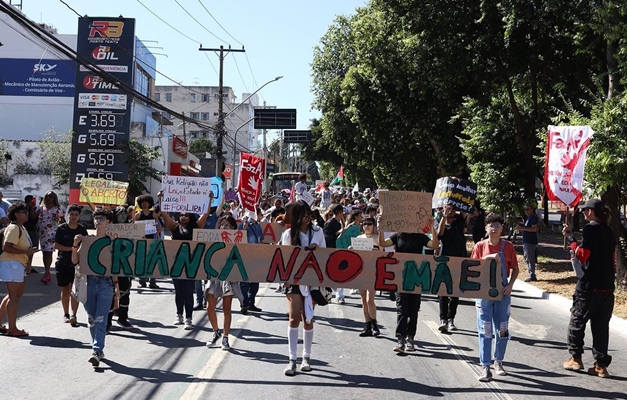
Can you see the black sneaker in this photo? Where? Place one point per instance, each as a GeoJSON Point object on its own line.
{"type": "Point", "coordinates": [153, 286]}
{"type": "Point", "coordinates": [443, 326]}
{"type": "Point", "coordinates": [216, 337]}
{"type": "Point", "coordinates": [532, 278]}
{"type": "Point", "coordinates": [124, 324]}
{"type": "Point", "coordinates": [375, 328]}
{"type": "Point", "coordinates": [367, 331]}
{"type": "Point", "coordinates": [198, 307]}
{"type": "Point", "coordinates": [254, 308]}
{"type": "Point", "coordinates": [244, 310]}
{"type": "Point", "coordinates": [400, 346]}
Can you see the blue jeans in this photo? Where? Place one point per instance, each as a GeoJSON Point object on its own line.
{"type": "Point", "coordinates": [100, 294]}
{"type": "Point", "coordinates": [529, 253]}
{"type": "Point", "coordinates": [184, 296]}
{"type": "Point", "coordinates": [200, 293]}
{"type": "Point", "coordinates": [249, 290]}
{"type": "Point", "coordinates": [493, 320]}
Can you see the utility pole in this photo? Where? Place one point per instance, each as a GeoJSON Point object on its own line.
{"type": "Point", "coordinates": [184, 133]}
{"type": "Point", "coordinates": [220, 125]}
{"type": "Point", "coordinates": [281, 150]}
{"type": "Point", "coordinates": [265, 157]}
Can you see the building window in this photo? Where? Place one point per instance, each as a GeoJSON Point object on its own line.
{"type": "Point", "coordinates": [194, 115]}
{"type": "Point", "coordinates": [157, 96]}
{"type": "Point", "coordinates": [142, 82]}
{"type": "Point", "coordinates": [204, 98]}
{"type": "Point", "coordinates": [192, 97]}
{"type": "Point", "coordinates": [215, 114]}
{"type": "Point", "coordinates": [168, 97]}
{"type": "Point", "coordinates": [204, 116]}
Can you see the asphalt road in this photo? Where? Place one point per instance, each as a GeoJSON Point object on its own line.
{"type": "Point", "coordinates": [157, 360]}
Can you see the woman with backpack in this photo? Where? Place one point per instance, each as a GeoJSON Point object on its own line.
{"type": "Point", "coordinates": [303, 233]}
{"type": "Point", "coordinates": [16, 249]}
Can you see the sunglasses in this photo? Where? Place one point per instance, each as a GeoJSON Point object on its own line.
{"type": "Point", "coordinates": [367, 223]}
{"type": "Point", "coordinates": [495, 225]}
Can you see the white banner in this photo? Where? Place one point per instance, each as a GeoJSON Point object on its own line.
{"type": "Point", "coordinates": [221, 235]}
{"type": "Point", "coordinates": [565, 161]}
{"type": "Point", "coordinates": [186, 194]}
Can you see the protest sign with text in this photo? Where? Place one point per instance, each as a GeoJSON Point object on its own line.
{"type": "Point", "coordinates": [221, 235]}
{"type": "Point", "coordinates": [249, 184]}
{"type": "Point", "coordinates": [101, 191]}
{"type": "Point", "coordinates": [185, 194]}
{"type": "Point", "coordinates": [150, 226]}
{"type": "Point", "coordinates": [133, 231]}
{"type": "Point", "coordinates": [404, 272]}
{"type": "Point", "coordinates": [402, 211]}
{"type": "Point", "coordinates": [566, 150]}
{"type": "Point", "coordinates": [364, 243]}
{"type": "Point", "coordinates": [272, 232]}
{"type": "Point", "coordinates": [459, 193]}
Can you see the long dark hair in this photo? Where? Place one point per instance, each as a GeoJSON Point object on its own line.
{"type": "Point", "coordinates": [300, 209]}
{"type": "Point", "coordinates": [603, 215]}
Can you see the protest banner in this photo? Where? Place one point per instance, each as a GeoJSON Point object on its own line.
{"type": "Point", "coordinates": [366, 244]}
{"type": "Point", "coordinates": [344, 240]}
{"type": "Point", "coordinates": [133, 231]}
{"type": "Point", "coordinates": [221, 235]}
{"type": "Point", "coordinates": [272, 232]}
{"type": "Point", "coordinates": [101, 191]}
{"type": "Point", "coordinates": [405, 212]}
{"type": "Point", "coordinates": [251, 175]}
{"type": "Point", "coordinates": [306, 197]}
{"type": "Point", "coordinates": [566, 150]}
{"type": "Point", "coordinates": [404, 272]}
{"type": "Point", "coordinates": [150, 226]}
{"type": "Point", "coordinates": [230, 195]}
{"type": "Point", "coordinates": [461, 194]}
{"type": "Point", "coordinates": [186, 194]}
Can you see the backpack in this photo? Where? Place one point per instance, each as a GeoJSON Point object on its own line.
{"type": "Point", "coordinates": [2, 238]}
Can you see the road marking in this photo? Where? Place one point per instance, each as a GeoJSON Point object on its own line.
{"type": "Point", "coordinates": [28, 294]}
{"type": "Point", "coordinates": [463, 358]}
{"type": "Point", "coordinates": [202, 380]}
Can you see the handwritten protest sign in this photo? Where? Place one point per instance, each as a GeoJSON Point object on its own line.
{"type": "Point", "coordinates": [459, 193]}
{"type": "Point", "coordinates": [101, 191]}
{"type": "Point", "coordinates": [133, 231]}
{"type": "Point", "coordinates": [407, 212]}
{"type": "Point", "coordinates": [404, 272]}
{"type": "Point", "coordinates": [185, 194]}
{"type": "Point", "coordinates": [362, 243]}
{"type": "Point", "coordinates": [344, 240]}
{"type": "Point", "coordinates": [150, 226]}
{"type": "Point", "coordinates": [272, 232]}
{"type": "Point", "coordinates": [306, 197]}
{"type": "Point", "coordinates": [221, 235]}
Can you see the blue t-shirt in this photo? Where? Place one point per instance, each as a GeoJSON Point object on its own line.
{"type": "Point", "coordinates": [212, 221]}
{"type": "Point", "coordinates": [530, 237]}
{"type": "Point", "coordinates": [254, 232]}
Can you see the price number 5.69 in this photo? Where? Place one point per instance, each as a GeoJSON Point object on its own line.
{"type": "Point", "coordinates": [97, 159]}
{"type": "Point", "coordinates": [98, 139]}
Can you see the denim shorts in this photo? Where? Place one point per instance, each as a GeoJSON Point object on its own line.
{"type": "Point", "coordinates": [12, 271]}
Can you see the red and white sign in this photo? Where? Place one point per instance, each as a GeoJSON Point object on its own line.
{"type": "Point", "coordinates": [565, 161]}
{"type": "Point", "coordinates": [179, 147]}
{"type": "Point", "coordinates": [249, 182]}
{"type": "Point", "coordinates": [228, 170]}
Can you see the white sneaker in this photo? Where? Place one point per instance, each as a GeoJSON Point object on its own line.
{"type": "Point", "coordinates": [188, 324]}
{"type": "Point", "coordinates": [498, 368]}
{"type": "Point", "coordinates": [305, 366]}
{"type": "Point", "coordinates": [178, 320]}
{"type": "Point", "coordinates": [354, 291]}
{"type": "Point", "coordinates": [290, 370]}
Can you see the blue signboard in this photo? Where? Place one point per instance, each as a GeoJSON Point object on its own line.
{"type": "Point", "coordinates": [35, 77]}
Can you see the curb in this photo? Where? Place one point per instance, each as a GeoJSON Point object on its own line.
{"type": "Point", "coordinates": [616, 323]}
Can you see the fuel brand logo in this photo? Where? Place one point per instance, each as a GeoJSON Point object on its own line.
{"type": "Point", "coordinates": [93, 82]}
{"type": "Point", "coordinates": [106, 29]}
{"type": "Point", "coordinates": [101, 53]}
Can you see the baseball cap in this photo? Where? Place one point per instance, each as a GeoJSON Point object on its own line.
{"type": "Point", "coordinates": [595, 204]}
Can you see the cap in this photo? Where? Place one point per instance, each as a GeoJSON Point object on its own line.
{"type": "Point", "coordinates": [595, 204]}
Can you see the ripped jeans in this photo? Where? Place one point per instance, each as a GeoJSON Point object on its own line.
{"type": "Point", "coordinates": [99, 298]}
{"type": "Point", "coordinates": [493, 320]}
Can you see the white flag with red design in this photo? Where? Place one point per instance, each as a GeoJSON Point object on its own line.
{"type": "Point", "coordinates": [251, 175]}
{"type": "Point", "coordinates": [565, 160]}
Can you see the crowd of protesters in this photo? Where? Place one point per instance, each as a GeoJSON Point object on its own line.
{"type": "Point", "coordinates": [31, 228]}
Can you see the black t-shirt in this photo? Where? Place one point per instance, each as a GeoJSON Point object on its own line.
{"type": "Point", "coordinates": [478, 226]}
{"type": "Point", "coordinates": [65, 237]}
{"type": "Point", "coordinates": [454, 241]}
{"type": "Point", "coordinates": [31, 224]}
{"type": "Point", "coordinates": [331, 228]}
{"type": "Point", "coordinates": [410, 242]}
{"type": "Point", "coordinates": [599, 275]}
{"type": "Point", "coordinates": [180, 233]}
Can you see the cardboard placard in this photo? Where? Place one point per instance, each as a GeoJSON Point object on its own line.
{"type": "Point", "coordinates": [133, 231]}
{"type": "Point", "coordinates": [404, 272]}
{"type": "Point", "coordinates": [221, 235]}
{"type": "Point", "coordinates": [272, 232]}
{"type": "Point", "coordinates": [101, 191]}
{"type": "Point", "coordinates": [366, 244]}
{"type": "Point", "coordinates": [185, 194]}
{"type": "Point", "coordinates": [405, 212]}
{"type": "Point", "coordinates": [461, 194]}
{"type": "Point", "coordinates": [306, 197]}
{"type": "Point", "coordinates": [150, 226]}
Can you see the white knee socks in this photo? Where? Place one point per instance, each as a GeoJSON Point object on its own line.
{"type": "Point", "coordinates": [307, 341]}
{"type": "Point", "coordinates": [292, 341]}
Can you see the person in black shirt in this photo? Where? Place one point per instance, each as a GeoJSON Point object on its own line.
{"type": "Point", "coordinates": [63, 242]}
{"type": "Point", "coordinates": [146, 202]}
{"type": "Point", "coordinates": [333, 228]}
{"type": "Point", "coordinates": [594, 294]}
{"type": "Point", "coordinates": [31, 226]}
{"type": "Point", "coordinates": [451, 235]}
{"type": "Point", "coordinates": [407, 304]}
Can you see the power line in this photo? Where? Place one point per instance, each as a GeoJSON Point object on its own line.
{"type": "Point", "coordinates": [198, 22]}
{"type": "Point", "coordinates": [165, 22]}
{"type": "Point", "coordinates": [212, 66]}
{"type": "Point", "coordinates": [220, 25]}
{"type": "Point", "coordinates": [253, 74]}
{"type": "Point", "coordinates": [240, 74]}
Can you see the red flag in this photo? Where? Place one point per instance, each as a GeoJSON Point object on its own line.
{"type": "Point", "coordinates": [249, 182]}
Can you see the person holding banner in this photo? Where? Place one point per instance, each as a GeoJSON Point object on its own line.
{"type": "Point", "coordinates": [368, 295]}
{"type": "Point", "coordinates": [250, 289]}
{"type": "Point", "coordinates": [300, 305]}
{"type": "Point", "coordinates": [146, 202]}
{"type": "Point", "coordinates": [451, 234]}
{"type": "Point", "coordinates": [184, 288]}
{"type": "Point", "coordinates": [225, 290]}
{"type": "Point", "coordinates": [493, 316]}
{"type": "Point", "coordinates": [100, 292]}
{"type": "Point", "coordinates": [63, 240]}
{"type": "Point", "coordinates": [408, 304]}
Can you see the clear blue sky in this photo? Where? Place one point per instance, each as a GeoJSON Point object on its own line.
{"type": "Point", "coordinates": [279, 37]}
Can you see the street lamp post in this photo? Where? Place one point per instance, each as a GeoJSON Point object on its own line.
{"type": "Point", "coordinates": [234, 148]}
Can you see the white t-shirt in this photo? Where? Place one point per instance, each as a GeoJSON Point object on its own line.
{"type": "Point", "coordinates": [317, 237]}
{"type": "Point", "coordinates": [300, 188]}
{"type": "Point", "coordinates": [326, 197]}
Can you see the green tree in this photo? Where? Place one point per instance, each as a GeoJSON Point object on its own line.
{"type": "Point", "coordinates": [140, 169]}
{"type": "Point", "coordinates": [200, 146]}
{"type": "Point", "coordinates": [56, 153]}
